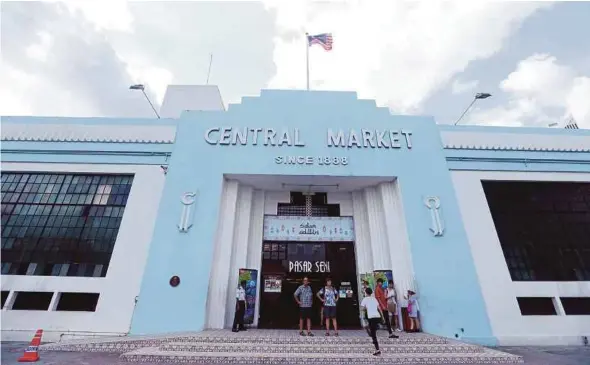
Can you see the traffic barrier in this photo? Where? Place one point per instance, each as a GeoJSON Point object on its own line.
{"type": "Point", "coordinates": [32, 352]}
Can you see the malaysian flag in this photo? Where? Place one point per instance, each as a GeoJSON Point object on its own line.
{"type": "Point", "coordinates": [324, 40]}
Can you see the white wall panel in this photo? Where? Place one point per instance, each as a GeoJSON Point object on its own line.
{"type": "Point", "coordinates": [499, 291]}
{"type": "Point", "coordinates": [273, 198]}
{"type": "Point", "coordinates": [344, 200]}
{"type": "Point", "coordinates": [121, 285]}
{"type": "Point", "coordinates": [239, 250]}
{"type": "Point", "coordinates": [220, 270]}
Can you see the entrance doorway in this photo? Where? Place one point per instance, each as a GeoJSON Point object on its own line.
{"type": "Point", "coordinates": [285, 264]}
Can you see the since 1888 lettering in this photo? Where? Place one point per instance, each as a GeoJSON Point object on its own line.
{"type": "Point", "coordinates": [311, 160]}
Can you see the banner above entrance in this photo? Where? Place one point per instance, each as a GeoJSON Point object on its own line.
{"type": "Point", "coordinates": [290, 228]}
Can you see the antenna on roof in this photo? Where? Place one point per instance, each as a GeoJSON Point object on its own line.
{"type": "Point", "coordinates": [209, 71]}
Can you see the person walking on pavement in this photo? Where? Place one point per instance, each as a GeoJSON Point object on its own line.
{"type": "Point", "coordinates": [373, 312]}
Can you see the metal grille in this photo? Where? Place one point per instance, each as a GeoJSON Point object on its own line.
{"type": "Point", "coordinates": [308, 206]}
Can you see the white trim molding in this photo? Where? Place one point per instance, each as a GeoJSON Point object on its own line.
{"type": "Point", "coordinates": [515, 141]}
{"type": "Point", "coordinates": [87, 133]}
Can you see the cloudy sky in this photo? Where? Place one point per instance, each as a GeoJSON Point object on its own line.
{"type": "Point", "coordinates": [78, 58]}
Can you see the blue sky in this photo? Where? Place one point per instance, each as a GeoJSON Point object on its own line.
{"type": "Point", "coordinates": [78, 58]}
{"type": "Point", "coordinates": [558, 31]}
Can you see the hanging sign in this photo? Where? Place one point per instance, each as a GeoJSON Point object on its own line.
{"type": "Point", "coordinates": [291, 228]}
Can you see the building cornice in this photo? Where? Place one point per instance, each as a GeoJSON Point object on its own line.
{"type": "Point", "coordinates": [515, 142]}
{"type": "Point", "coordinates": [87, 133]}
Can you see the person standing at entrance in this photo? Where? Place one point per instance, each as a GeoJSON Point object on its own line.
{"type": "Point", "coordinates": [392, 307]}
{"type": "Point", "coordinates": [373, 312]}
{"type": "Point", "coordinates": [304, 298]}
{"type": "Point", "coordinates": [413, 311]}
{"type": "Point", "coordinates": [382, 300]}
{"type": "Point", "coordinates": [240, 308]}
{"type": "Point", "coordinates": [330, 297]}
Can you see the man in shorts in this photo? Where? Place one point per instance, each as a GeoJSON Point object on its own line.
{"type": "Point", "coordinates": [304, 298]}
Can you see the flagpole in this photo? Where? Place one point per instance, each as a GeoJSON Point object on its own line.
{"type": "Point", "coordinates": [307, 58]}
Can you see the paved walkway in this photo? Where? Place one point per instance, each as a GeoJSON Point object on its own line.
{"type": "Point", "coordinates": [11, 351]}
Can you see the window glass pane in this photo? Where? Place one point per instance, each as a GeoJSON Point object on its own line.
{"type": "Point", "coordinates": [46, 234]}
{"type": "Point", "coordinates": [543, 228]}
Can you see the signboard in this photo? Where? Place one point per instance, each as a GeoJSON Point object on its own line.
{"type": "Point", "coordinates": [273, 284]}
{"type": "Point", "coordinates": [290, 228]}
{"type": "Point", "coordinates": [251, 278]}
{"type": "Point", "coordinates": [308, 266]}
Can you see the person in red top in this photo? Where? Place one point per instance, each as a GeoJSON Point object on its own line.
{"type": "Point", "coordinates": [382, 300]}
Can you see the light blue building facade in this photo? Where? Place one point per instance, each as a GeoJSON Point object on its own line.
{"type": "Point", "coordinates": [206, 181]}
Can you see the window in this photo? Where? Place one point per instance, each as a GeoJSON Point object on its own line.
{"type": "Point", "coordinates": [4, 297]}
{"type": "Point", "coordinates": [81, 302]}
{"type": "Point", "coordinates": [274, 251]}
{"type": "Point", "coordinates": [576, 306]}
{"type": "Point", "coordinates": [536, 306]}
{"type": "Point", "coordinates": [317, 204]}
{"type": "Point", "coordinates": [543, 227]}
{"type": "Point", "coordinates": [61, 224]}
{"type": "Point", "coordinates": [32, 301]}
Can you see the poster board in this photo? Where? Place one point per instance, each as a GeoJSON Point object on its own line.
{"type": "Point", "coordinates": [251, 278]}
{"type": "Point", "coordinates": [385, 275]}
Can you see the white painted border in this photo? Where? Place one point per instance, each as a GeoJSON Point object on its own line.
{"type": "Point", "coordinates": [499, 291]}
{"type": "Point", "coordinates": [515, 141]}
{"type": "Point", "coordinates": [122, 283]}
{"type": "Point", "coordinates": [88, 133]}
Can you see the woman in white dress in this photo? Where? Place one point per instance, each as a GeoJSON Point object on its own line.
{"type": "Point", "coordinates": [392, 306]}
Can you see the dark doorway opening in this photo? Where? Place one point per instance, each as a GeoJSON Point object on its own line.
{"type": "Point", "coordinates": [285, 264]}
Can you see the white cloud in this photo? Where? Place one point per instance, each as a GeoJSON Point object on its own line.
{"type": "Point", "coordinates": [541, 91]}
{"type": "Point", "coordinates": [396, 52]}
{"type": "Point", "coordinates": [460, 87]}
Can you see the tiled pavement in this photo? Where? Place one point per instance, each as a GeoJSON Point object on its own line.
{"type": "Point", "coordinates": [354, 341]}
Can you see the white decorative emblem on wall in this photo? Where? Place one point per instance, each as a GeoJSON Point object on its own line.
{"type": "Point", "coordinates": [187, 200]}
{"type": "Point", "coordinates": [433, 204]}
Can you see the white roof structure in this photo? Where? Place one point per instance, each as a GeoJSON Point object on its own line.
{"type": "Point", "coordinates": [179, 98]}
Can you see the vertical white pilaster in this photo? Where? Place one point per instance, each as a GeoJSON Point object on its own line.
{"type": "Point", "coordinates": [379, 244]}
{"type": "Point", "coordinates": [217, 294]}
{"type": "Point", "coordinates": [399, 245]}
{"type": "Point", "coordinates": [362, 239]}
{"type": "Point", "coordinates": [239, 250]}
{"type": "Point", "coordinates": [254, 257]}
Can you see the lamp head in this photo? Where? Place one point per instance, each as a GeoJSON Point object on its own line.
{"type": "Point", "coordinates": [137, 87]}
{"type": "Point", "coordinates": [482, 95]}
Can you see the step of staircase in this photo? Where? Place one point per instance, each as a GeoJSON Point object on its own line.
{"type": "Point", "coordinates": [389, 346]}
{"type": "Point", "coordinates": [289, 338]}
{"type": "Point", "coordinates": [157, 355]}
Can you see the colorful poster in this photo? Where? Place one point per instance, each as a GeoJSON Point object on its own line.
{"type": "Point", "coordinates": [367, 280]}
{"type": "Point", "coordinates": [291, 228]}
{"type": "Point", "coordinates": [273, 284]}
{"type": "Point", "coordinates": [385, 275]}
{"type": "Point", "coordinates": [251, 278]}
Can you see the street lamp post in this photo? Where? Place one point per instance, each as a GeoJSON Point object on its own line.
{"type": "Point", "coordinates": [142, 88]}
{"type": "Point", "coordinates": [478, 96]}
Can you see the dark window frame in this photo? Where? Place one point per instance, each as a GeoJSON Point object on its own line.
{"type": "Point", "coordinates": [54, 219]}
{"type": "Point", "coordinates": [543, 228]}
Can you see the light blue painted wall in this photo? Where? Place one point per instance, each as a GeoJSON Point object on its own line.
{"type": "Point", "coordinates": [443, 265]}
